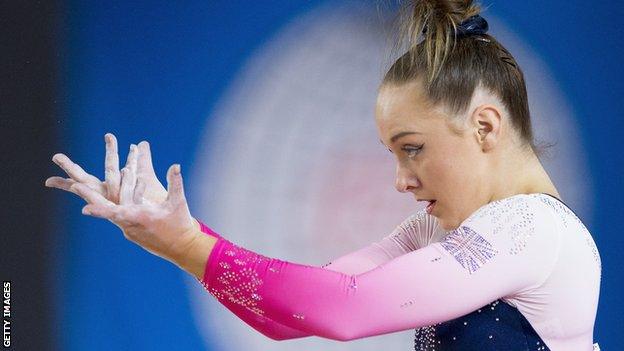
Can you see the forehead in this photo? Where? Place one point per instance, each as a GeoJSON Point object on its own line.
{"type": "Point", "coordinates": [405, 107]}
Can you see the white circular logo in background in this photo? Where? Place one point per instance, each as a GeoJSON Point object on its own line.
{"type": "Point", "coordinates": [291, 166]}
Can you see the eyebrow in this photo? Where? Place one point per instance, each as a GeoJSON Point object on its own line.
{"type": "Point", "coordinates": [398, 135]}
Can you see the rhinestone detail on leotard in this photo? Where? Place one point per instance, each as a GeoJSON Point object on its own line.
{"type": "Point", "coordinates": [240, 286]}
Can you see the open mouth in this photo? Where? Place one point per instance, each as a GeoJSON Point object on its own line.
{"type": "Point", "coordinates": [430, 206]}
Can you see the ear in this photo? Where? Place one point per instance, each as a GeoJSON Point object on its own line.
{"type": "Point", "coordinates": [487, 125]}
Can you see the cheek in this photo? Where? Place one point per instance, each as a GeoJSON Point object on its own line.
{"type": "Point", "coordinates": [447, 169]}
{"type": "Point", "coordinates": [451, 172]}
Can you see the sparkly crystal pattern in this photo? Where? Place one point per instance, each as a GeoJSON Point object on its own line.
{"type": "Point", "coordinates": [469, 248]}
{"type": "Point", "coordinates": [500, 213]}
{"type": "Point", "coordinates": [512, 214]}
{"type": "Point", "coordinates": [238, 284]}
{"type": "Point", "coordinates": [522, 226]}
{"type": "Point", "coordinates": [425, 338]}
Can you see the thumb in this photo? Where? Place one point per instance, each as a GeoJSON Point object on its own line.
{"type": "Point", "coordinates": [175, 188]}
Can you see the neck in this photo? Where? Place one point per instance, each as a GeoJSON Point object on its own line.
{"type": "Point", "coordinates": [525, 175]}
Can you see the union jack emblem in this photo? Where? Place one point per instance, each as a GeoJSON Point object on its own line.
{"type": "Point", "coordinates": [469, 248]}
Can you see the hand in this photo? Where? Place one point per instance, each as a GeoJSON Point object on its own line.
{"type": "Point", "coordinates": [109, 188]}
{"type": "Point", "coordinates": [165, 229]}
{"type": "Point", "coordinates": [140, 187]}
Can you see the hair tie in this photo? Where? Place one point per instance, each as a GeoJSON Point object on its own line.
{"type": "Point", "coordinates": [475, 25]}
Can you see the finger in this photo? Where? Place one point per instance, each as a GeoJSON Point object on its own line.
{"type": "Point", "coordinates": [89, 195]}
{"type": "Point", "coordinates": [59, 182]}
{"type": "Point", "coordinates": [66, 183]}
{"type": "Point", "coordinates": [112, 177]}
{"type": "Point", "coordinates": [138, 191]}
{"type": "Point", "coordinates": [144, 163]}
{"type": "Point", "coordinates": [128, 183]}
{"type": "Point", "coordinates": [175, 188]}
{"type": "Point", "coordinates": [74, 170]}
{"type": "Point", "coordinates": [128, 177]}
{"type": "Point", "coordinates": [131, 161]}
{"type": "Point", "coordinates": [105, 212]}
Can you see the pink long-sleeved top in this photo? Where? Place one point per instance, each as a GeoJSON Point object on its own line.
{"type": "Point", "coordinates": [529, 250]}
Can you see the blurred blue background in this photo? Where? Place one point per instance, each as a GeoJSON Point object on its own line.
{"type": "Point", "coordinates": [155, 70]}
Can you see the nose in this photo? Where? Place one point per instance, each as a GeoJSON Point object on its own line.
{"type": "Point", "coordinates": [405, 179]}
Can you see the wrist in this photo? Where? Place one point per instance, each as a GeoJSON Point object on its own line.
{"type": "Point", "coordinates": [193, 256]}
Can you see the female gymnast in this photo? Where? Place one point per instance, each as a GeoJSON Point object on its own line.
{"type": "Point", "coordinates": [496, 261]}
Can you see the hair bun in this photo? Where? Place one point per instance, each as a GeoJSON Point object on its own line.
{"type": "Point", "coordinates": [438, 23]}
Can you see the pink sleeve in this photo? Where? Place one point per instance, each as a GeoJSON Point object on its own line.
{"type": "Point", "coordinates": [263, 325]}
{"type": "Point", "coordinates": [406, 237]}
{"type": "Point", "coordinates": [473, 266]}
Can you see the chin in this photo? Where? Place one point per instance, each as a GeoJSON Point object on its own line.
{"type": "Point", "coordinates": [446, 225]}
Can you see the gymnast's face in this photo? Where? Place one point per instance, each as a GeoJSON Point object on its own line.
{"type": "Point", "coordinates": [435, 160]}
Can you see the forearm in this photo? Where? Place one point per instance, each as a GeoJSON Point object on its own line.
{"type": "Point", "coordinates": [194, 261]}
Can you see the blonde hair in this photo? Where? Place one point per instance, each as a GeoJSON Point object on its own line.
{"type": "Point", "coordinates": [450, 67]}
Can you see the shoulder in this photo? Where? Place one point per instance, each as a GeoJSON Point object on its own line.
{"type": "Point", "coordinates": [511, 223]}
{"type": "Point", "coordinates": [521, 210]}
{"type": "Point", "coordinates": [518, 234]}
{"type": "Point", "coordinates": [517, 230]}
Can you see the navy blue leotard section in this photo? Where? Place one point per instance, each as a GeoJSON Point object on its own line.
{"type": "Point", "coordinates": [493, 327]}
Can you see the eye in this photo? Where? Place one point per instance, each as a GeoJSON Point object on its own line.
{"type": "Point", "coordinates": [412, 150]}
